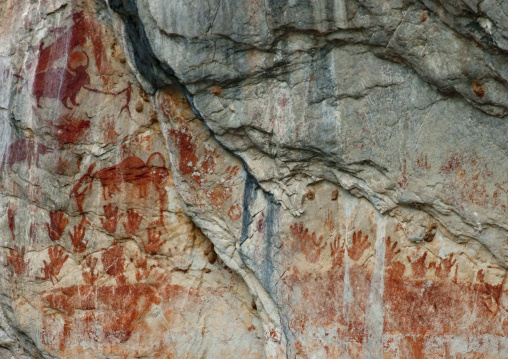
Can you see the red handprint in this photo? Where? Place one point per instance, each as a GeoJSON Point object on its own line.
{"type": "Point", "coordinates": [154, 241]}
{"type": "Point", "coordinates": [359, 246]}
{"type": "Point", "coordinates": [337, 252]}
{"type": "Point", "coordinates": [391, 250]}
{"type": "Point", "coordinates": [17, 260]}
{"type": "Point", "coordinates": [57, 258]}
{"type": "Point", "coordinates": [111, 218]}
{"type": "Point", "coordinates": [231, 172]}
{"type": "Point", "coordinates": [418, 266]}
{"type": "Point", "coordinates": [141, 264]}
{"type": "Point", "coordinates": [133, 221]}
{"type": "Point", "coordinates": [56, 227]}
{"type": "Point", "coordinates": [77, 237]}
{"type": "Point", "coordinates": [309, 243]}
{"type": "Point", "coordinates": [113, 260]}
{"type": "Point", "coordinates": [394, 269]}
{"type": "Point", "coordinates": [88, 273]}
{"type": "Point", "coordinates": [445, 267]}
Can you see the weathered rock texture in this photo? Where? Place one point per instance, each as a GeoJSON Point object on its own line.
{"type": "Point", "coordinates": [250, 179]}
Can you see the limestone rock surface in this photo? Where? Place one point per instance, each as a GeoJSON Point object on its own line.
{"type": "Point", "coordinates": [99, 259]}
{"type": "Point", "coordinates": [233, 178]}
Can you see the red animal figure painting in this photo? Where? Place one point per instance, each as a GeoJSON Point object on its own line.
{"type": "Point", "coordinates": [77, 238]}
{"type": "Point", "coordinates": [131, 170]}
{"type": "Point", "coordinates": [56, 227]}
{"type": "Point", "coordinates": [138, 173]}
{"type": "Point", "coordinates": [128, 93]}
{"type": "Point", "coordinates": [61, 83]}
{"type": "Point", "coordinates": [68, 38]}
{"type": "Point", "coordinates": [24, 149]}
{"type": "Point", "coordinates": [16, 259]}
{"type": "Point", "coordinates": [57, 258]}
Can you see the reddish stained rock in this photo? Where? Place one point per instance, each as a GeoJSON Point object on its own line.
{"type": "Point", "coordinates": [33, 232]}
{"type": "Point", "coordinates": [430, 306]}
{"type": "Point", "coordinates": [108, 129]}
{"type": "Point", "coordinates": [208, 163]}
{"type": "Point", "coordinates": [467, 179]}
{"type": "Point", "coordinates": [418, 265]}
{"type": "Point", "coordinates": [444, 269]}
{"type": "Point", "coordinates": [117, 308]}
{"type": "Point", "coordinates": [82, 186]}
{"type": "Point", "coordinates": [337, 252]}
{"type": "Point", "coordinates": [90, 275]}
{"type": "Point", "coordinates": [73, 318]}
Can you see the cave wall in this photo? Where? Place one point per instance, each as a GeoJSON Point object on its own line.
{"type": "Point", "coordinates": [280, 179]}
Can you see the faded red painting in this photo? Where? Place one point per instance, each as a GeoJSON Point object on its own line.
{"type": "Point", "coordinates": [56, 227]}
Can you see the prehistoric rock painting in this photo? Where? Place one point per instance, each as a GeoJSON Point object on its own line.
{"type": "Point", "coordinates": [351, 284]}
{"type": "Point", "coordinates": [101, 255]}
{"type": "Point", "coordinates": [77, 236]}
{"type": "Point", "coordinates": [61, 83]}
{"type": "Point", "coordinates": [70, 129]}
{"type": "Point", "coordinates": [24, 150]}
{"type": "Point", "coordinates": [57, 258]}
{"type": "Point", "coordinates": [380, 292]}
{"type": "Point", "coordinates": [307, 178]}
{"type": "Point", "coordinates": [199, 161]}
{"type": "Point", "coordinates": [57, 225]}
{"type": "Point", "coordinates": [16, 259]}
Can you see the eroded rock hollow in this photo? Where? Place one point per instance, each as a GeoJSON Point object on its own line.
{"type": "Point", "coordinates": [253, 179]}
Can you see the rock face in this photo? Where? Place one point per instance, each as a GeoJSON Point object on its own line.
{"type": "Point", "coordinates": [280, 179]}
